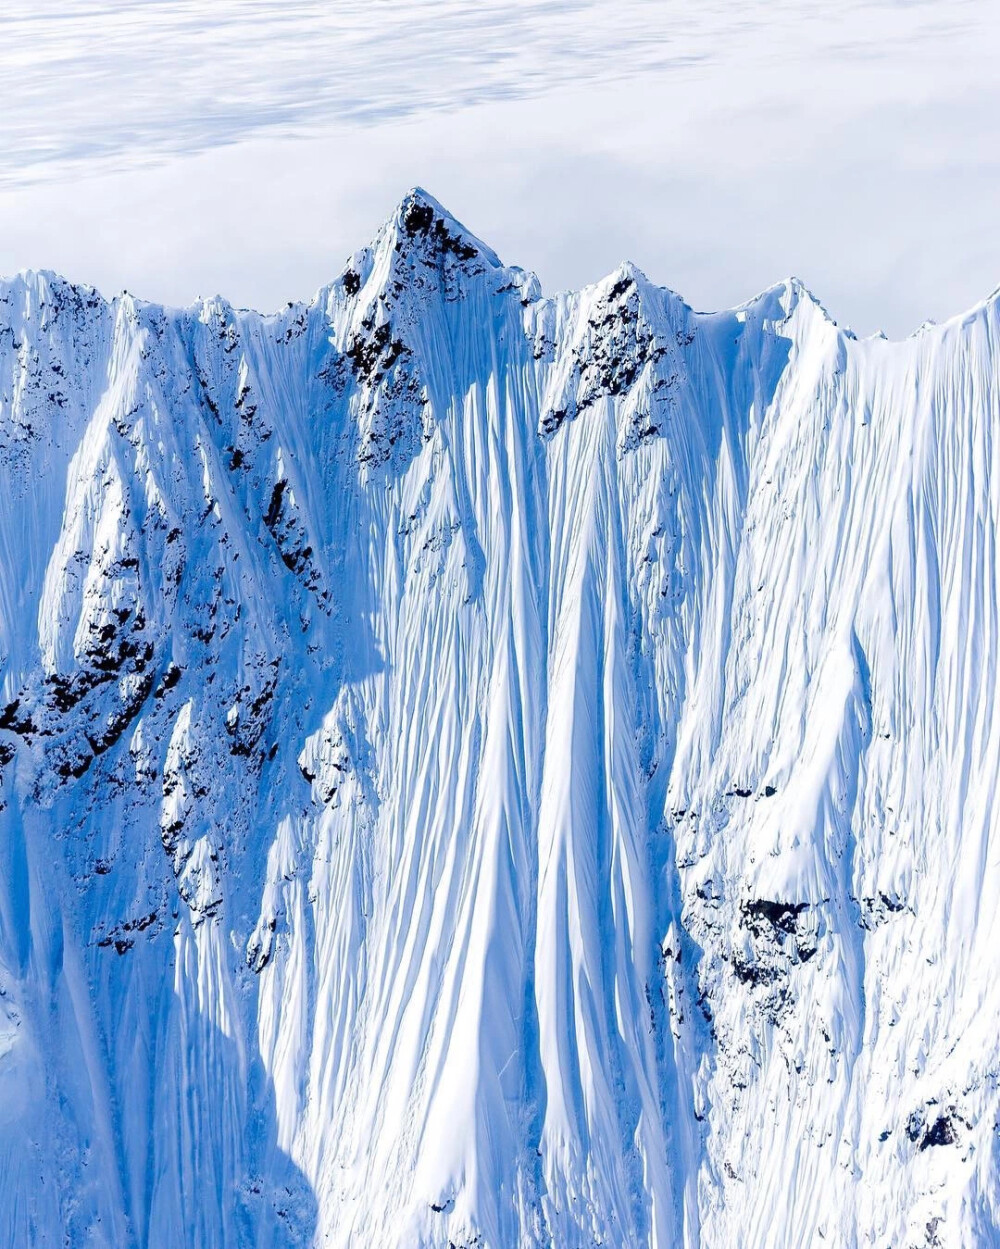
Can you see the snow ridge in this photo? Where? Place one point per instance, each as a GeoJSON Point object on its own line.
{"type": "Point", "coordinates": [488, 770]}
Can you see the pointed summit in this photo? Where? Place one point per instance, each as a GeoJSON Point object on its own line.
{"type": "Point", "coordinates": [421, 222]}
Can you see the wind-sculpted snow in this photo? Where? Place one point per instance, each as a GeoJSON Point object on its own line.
{"type": "Point", "coordinates": [486, 770]}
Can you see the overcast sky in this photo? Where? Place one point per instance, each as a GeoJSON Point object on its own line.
{"type": "Point", "coordinates": [247, 147]}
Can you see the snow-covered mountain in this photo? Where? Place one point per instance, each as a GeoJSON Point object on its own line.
{"type": "Point", "coordinates": [488, 770]}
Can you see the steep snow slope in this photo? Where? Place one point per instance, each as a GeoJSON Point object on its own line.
{"type": "Point", "coordinates": [485, 770]}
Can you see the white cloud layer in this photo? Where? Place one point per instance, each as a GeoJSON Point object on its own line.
{"type": "Point", "coordinates": [176, 149]}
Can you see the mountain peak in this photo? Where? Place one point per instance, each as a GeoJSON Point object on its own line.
{"type": "Point", "coordinates": [420, 222]}
{"type": "Point", "coordinates": [510, 729]}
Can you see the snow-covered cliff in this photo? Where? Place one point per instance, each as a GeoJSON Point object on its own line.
{"type": "Point", "coordinates": [487, 770]}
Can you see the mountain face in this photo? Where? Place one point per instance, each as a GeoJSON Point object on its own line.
{"type": "Point", "coordinates": [487, 770]}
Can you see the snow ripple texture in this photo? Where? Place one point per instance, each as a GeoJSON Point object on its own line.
{"type": "Point", "coordinates": [488, 770]}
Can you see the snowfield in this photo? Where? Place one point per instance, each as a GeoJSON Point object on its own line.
{"type": "Point", "coordinates": [491, 770]}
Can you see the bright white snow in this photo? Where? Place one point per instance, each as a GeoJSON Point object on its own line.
{"type": "Point", "coordinates": [488, 770]}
